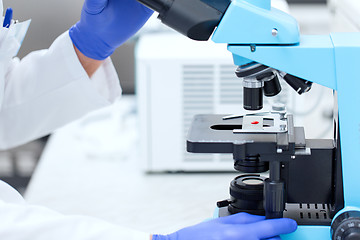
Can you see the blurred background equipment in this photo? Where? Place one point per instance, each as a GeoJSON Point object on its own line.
{"type": "Point", "coordinates": [17, 165]}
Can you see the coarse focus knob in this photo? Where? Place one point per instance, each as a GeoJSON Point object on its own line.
{"type": "Point", "coordinates": [346, 226]}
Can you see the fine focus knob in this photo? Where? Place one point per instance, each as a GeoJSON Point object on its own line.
{"type": "Point", "coordinates": [346, 226]}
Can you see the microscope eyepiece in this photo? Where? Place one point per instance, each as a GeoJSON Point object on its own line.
{"type": "Point", "coordinates": [196, 19]}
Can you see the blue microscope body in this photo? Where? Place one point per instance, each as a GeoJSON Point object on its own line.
{"type": "Point", "coordinates": [331, 61]}
{"type": "Point", "coordinates": [265, 38]}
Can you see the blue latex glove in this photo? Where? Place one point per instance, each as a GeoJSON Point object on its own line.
{"type": "Point", "coordinates": [106, 24]}
{"type": "Point", "coordinates": [241, 226]}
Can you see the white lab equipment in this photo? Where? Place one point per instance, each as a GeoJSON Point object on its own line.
{"type": "Point", "coordinates": [177, 78]}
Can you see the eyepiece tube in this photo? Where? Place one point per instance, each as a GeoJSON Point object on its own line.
{"type": "Point", "coordinates": [196, 19]}
{"type": "Point", "coordinates": [159, 6]}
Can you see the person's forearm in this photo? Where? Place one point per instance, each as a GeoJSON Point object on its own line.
{"type": "Point", "coordinates": [90, 65]}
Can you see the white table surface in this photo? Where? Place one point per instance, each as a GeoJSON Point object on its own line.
{"type": "Point", "coordinates": [90, 167]}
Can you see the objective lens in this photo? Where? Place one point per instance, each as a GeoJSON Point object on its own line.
{"type": "Point", "coordinates": [272, 86]}
{"type": "Point", "coordinates": [253, 94]}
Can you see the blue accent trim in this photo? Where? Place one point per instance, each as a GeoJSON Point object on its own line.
{"type": "Point", "coordinates": [246, 23]}
{"type": "Point", "coordinates": [309, 233]}
{"type": "Point", "coordinates": [347, 59]}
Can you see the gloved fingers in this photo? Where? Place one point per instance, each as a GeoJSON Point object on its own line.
{"type": "Point", "coordinates": [241, 218]}
{"type": "Point", "coordinates": [273, 227]}
{"type": "Point", "coordinates": [95, 6]}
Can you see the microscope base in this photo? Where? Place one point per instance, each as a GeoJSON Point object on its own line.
{"type": "Point", "coordinates": [303, 214]}
{"type": "Point", "coordinates": [309, 232]}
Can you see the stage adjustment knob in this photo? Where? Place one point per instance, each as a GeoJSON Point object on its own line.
{"type": "Point", "coordinates": [346, 226]}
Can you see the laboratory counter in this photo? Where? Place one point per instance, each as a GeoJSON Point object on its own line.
{"type": "Point", "coordinates": [92, 167]}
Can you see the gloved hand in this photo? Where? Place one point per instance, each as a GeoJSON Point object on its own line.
{"type": "Point", "coordinates": [106, 24]}
{"type": "Point", "coordinates": [241, 226]}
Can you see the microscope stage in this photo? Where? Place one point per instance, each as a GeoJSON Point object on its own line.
{"type": "Point", "coordinates": [218, 133]}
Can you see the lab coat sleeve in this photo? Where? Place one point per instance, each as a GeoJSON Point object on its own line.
{"type": "Point", "coordinates": [48, 89]}
{"type": "Point", "coordinates": [21, 221]}
{"type": "Point", "coordinates": [24, 222]}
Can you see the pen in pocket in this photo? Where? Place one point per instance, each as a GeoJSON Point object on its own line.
{"type": "Point", "coordinates": [8, 18]}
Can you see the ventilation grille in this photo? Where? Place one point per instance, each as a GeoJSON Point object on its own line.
{"type": "Point", "coordinates": [230, 86]}
{"type": "Point", "coordinates": [309, 214]}
{"type": "Point", "coordinates": [198, 98]}
{"type": "Point", "coordinates": [313, 211]}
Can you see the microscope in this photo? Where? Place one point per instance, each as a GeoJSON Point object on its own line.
{"type": "Point", "coordinates": [313, 181]}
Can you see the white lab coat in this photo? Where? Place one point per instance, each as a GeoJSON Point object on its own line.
{"type": "Point", "coordinates": [40, 93]}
